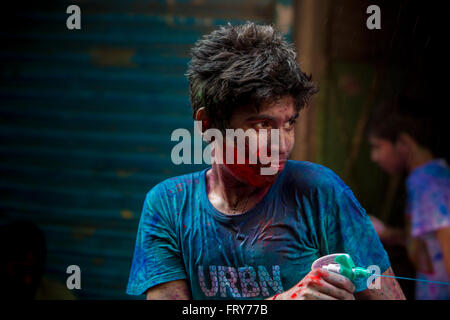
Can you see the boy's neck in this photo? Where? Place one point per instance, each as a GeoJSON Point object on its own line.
{"type": "Point", "coordinates": [419, 157]}
{"type": "Point", "coordinates": [229, 195]}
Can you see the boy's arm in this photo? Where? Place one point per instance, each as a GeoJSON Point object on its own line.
{"type": "Point", "coordinates": [389, 290]}
{"type": "Point", "coordinates": [389, 235]}
{"type": "Point", "coordinates": [443, 236]}
{"type": "Point", "coordinates": [172, 290]}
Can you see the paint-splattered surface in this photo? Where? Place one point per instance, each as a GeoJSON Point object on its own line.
{"type": "Point", "coordinates": [307, 213]}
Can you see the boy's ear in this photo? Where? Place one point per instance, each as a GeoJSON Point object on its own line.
{"type": "Point", "coordinates": [404, 142]}
{"type": "Point", "coordinates": [202, 116]}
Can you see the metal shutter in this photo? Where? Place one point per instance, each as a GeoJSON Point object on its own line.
{"type": "Point", "coordinates": [86, 117]}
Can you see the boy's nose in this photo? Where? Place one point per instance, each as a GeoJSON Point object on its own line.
{"type": "Point", "coordinates": [285, 141]}
{"type": "Point", "coordinates": [373, 156]}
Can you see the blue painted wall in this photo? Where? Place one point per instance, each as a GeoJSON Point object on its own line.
{"type": "Point", "coordinates": [86, 118]}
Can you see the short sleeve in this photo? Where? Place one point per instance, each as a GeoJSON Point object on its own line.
{"type": "Point", "coordinates": [157, 256]}
{"type": "Point", "coordinates": [349, 230]}
{"type": "Point", "coordinates": [429, 209]}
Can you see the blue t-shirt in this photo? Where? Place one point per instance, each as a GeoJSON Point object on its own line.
{"type": "Point", "coordinates": [307, 213]}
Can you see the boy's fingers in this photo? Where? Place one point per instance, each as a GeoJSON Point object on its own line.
{"type": "Point", "coordinates": [333, 291]}
{"type": "Point", "coordinates": [338, 280]}
{"type": "Point", "coordinates": [316, 295]}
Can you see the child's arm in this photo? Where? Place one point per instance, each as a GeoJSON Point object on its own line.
{"type": "Point", "coordinates": [389, 235]}
{"type": "Point", "coordinates": [389, 290]}
{"type": "Point", "coordinates": [443, 235]}
{"type": "Point", "coordinates": [172, 290]}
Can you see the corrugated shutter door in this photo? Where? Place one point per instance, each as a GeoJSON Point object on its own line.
{"type": "Point", "coordinates": [86, 118]}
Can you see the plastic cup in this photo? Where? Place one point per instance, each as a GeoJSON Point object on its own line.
{"type": "Point", "coordinates": [325, 260]}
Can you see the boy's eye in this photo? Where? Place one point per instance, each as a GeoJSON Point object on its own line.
{"type": "Point", "coordinates": [263, 124]}
{"type": "Point", "coordinates": [290, 125]}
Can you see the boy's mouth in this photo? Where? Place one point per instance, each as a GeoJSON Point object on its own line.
{"type": "Point", "coordinates": [275, 166]}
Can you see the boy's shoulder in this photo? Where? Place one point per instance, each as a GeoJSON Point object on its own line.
{"type": "Point", "coordinates": [433, 174]}
{"type": "Point", "coordinates": [175, 185]}
{"type": "Point", "coordinates": [310, 176]}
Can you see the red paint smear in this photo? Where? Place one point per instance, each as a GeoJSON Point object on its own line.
{"type": "Point", "coordinates": [294, 295]}
{"type": "Point", "coordinates": [316, 279]}
{"type": "Point", "coordinates": [250, 173]}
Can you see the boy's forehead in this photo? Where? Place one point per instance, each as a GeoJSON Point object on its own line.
{"type": "Point", "coordinates": [282, 106]}
{"type": "Point", "coordinates": [374, 140]}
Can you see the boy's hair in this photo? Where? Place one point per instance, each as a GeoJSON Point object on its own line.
{"type": "Point", "coordinates": [403, 114]}
{"type": "Point", "coordinates": [241, 66]}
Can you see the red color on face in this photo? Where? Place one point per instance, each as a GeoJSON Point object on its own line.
{"type": "Point", "coordinates": [251, 173]}
{"type": "Point", "coordinates": [294, 295]}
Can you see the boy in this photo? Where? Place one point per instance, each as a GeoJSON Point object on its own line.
{"type": "Point", "coordinates": [230, 232]}
{"type": "Point", "coordinates": [402, 140]}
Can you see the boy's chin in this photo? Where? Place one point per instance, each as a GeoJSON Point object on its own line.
{"type": "Point", "coordinates": [263, 180]}
{"type": "Point", "coordinates": [251, 175]}
{"type": "Point", "coordinates": [392, 170]}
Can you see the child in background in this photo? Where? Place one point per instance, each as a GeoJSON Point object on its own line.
{"type": "Point", "coordinates": [402, 140]}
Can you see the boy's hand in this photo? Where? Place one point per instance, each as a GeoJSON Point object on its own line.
{"type": "Point", "coordinates": [320, 285]}
{"type": "Point", "coordinates": [379, 226]}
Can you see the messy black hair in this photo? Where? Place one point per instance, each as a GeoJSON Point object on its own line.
{"type": "Point", "coordinates": [406, 114]}
{"type": "Point", "coordinates": [242, 66]}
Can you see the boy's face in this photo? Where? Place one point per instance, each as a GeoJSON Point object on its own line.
{"type": "Point", "coordinates": [280, 115]}
{"type": "Point", "coordinates": [387, 155]}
